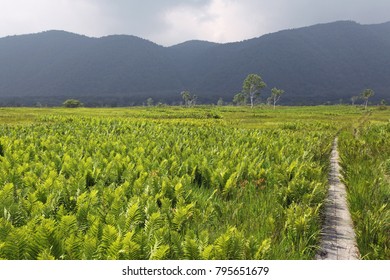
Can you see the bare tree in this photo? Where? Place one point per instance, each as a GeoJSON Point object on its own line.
{"type": "Point", "coordinates": [367, 93]}
{"type": "Point", "coordinates": [275, 95]}
{"type": "Point", "coordinates": [354, 99]}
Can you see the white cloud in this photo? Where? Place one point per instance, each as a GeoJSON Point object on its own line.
{"type": "Point", "coordinates": [173, 21]}
{"type": "Point", "coordinates": [219, 21]}
{"type": "Point", "coordinates": [20, 16]}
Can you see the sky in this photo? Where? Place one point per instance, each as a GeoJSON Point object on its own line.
{"type": "Point", "coordinates": [169, 22]}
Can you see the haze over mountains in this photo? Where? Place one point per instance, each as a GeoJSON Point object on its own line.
{"type": "Point", "coordinates": [314, 65]}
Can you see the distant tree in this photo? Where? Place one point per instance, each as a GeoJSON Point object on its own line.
{"type": "Point", "coordinates": [367, 93]}
{"type": "Point", "coordinates": [220, 102]}
{"type": "Point", "coordinates": [186, 96]}
{"type": "Point", "coordinates": [354, 99]}
{"type": "Point", "coordinates": [239, 99]}
{"type": "Point", "coordinates": [160, 104]}
{"type": "Point", "coordinates": [72, 103]}
{"type": "Point", "coordinates": [252, 86]}
{"type": "Point", "coordinates": [189, 100]}
{"type": "Point", "coordinates": [149, 102]}
{"type": "Point", "coordinates": [193, 100]}
{"type": "Point", "coordinates": [275, 95]}
{"type": "Point", "coordinates": [382, 105]}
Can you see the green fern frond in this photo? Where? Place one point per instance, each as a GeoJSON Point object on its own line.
{"type": "Point", "coordinates": [109, 236]}
{"type": "Point", "coordinates": [45, 239]}
{"type": "Point", "coordinates": [191, 249]}
{"type": "Point", "coordinates": [158, 251]}
{"type": "Point", "coordinates": [181, 215]}
{"type": "Point", "coordinates": [73, 246]}
{"type": "Point", "coordinates": [263, 249]}
{"type": "Point", "coordinates": [67, 226]}
{"type": "Point", "coordinates": [133, 216]}
{"type": "Point", "coordinates": [5, 228]}
{"type": "Point", "coordinates": [90, 246]}
{"type": "Point", "coordinates": [131, 250]}
{"type": "Point", "coordinates": [96, 229]}
{"type": "Point", "coordinates": [154, 222]}
{"type": "Point", "coordinates": [230, 245]}
{"type": "Point", "coordinates": [208, 253]}
{"type": "Point", "coordinates": [45, 255]}
{"type": "Point", "coordinates": [115, 249]}
{"type": "Point", "coordinates": [17, 244]}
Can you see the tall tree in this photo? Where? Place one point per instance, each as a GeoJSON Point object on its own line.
{"type": "Point", "coordinates": [275, 95]}
{"type": "Point", "coordinates": [252, 86]}
{"type": "Point", "coordinates": [149, 101]}
{"type": "Point", "coordinates": [186, 96]}
{"type": "Point", "coordinates": [189, 100]}
{"type": "Point", "coordinates": [367, 93]}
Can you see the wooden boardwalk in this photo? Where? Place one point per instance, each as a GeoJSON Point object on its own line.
{"type": "Point", "coordinates": [338, 236]}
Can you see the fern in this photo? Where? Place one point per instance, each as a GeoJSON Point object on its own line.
{"type": "Point", "coordinates": [96, 229]}
{"type": "Point", "coordinates": [230, 245]}
{"type": "Point", "coordinates": [5, 228]}
{"type": "Point", "coordinates": [17, 244]}
{"type": "Point", "coordinates": [68, 226]}
{"type": "Point", "coordinates": [158, 251]}
{"type": "Point", "coordinates": [73, 246]}
{"type": "Point", "coordinates": [45, 239]}
{"type": "Point", "coordinates": [90, 248]}
{"type": "Point", "coordinates": [115, 249]}
{"type": "Point", "coordinates": [263, 249]}
{"type": "Point", "coordinates": [109, 236]}
{"type": "Point", "coordinates": [208, 253]}
{"type": "Point", "coordinates": [181, 215]}
{"type": "Point", "coordinates": [154, 222]}
{"type": "Point", "coordinates": [133, 216]}
{"type": "Point", "coordinates": [45, 255]}
{"type": "Point", "coordinates": [191, 249]}
{"type": "Point", "coordinates": [131, 250]}
{"type": "Point", "coordinates": [230, 186]}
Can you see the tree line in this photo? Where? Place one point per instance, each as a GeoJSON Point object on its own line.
{"type": "Point", "coordinates": [251, 89]}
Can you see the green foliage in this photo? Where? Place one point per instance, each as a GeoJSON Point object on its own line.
{"type": "Point", "coordinates": [251, 87]}
{"type": "Point", "coordinates": [275, 95]}
{"type": "Point", "coordinates": [72, 103]}
{"type": "Point", "coordinates": [365, 95]}
{"type": "Point", "coordinates": [170, 183]}
{"type": "Point", "coordinates": [365, 156]}
{"type": "Point", "coordinates": [189, 99]}
{"type": "Point", "coordinates": [240, 99]}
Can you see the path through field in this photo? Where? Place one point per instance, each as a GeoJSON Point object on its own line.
{"type": "Point", "coordinates": [338, 236]}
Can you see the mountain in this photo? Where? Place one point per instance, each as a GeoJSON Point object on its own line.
{"type": "Point", "coordinates": [314, 65]}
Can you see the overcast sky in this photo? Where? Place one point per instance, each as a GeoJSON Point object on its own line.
{"type": "Point", "coordinates": [169, 22]}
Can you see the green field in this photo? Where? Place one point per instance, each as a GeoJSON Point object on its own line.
{"type": "Point", "coordinates": [187, 183]}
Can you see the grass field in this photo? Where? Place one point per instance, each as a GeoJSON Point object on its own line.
{"type": "Point", "coordinates": [187, 183]}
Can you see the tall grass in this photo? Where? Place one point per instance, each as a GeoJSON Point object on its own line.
{"type": "Point", "coordinates": [365, 155]}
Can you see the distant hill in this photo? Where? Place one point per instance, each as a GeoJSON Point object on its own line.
{"type": "Point", "coordinates": [314, 65]}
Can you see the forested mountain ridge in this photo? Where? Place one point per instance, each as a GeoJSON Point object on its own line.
{"type": "Point", "coordinates": [314, 65]}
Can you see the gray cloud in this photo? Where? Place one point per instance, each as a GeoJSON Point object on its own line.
{"type": "Point", "coordinates": [173, 21]}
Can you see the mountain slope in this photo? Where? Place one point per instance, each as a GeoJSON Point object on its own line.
{"type": "Point", "coordinates": [314, 65]}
